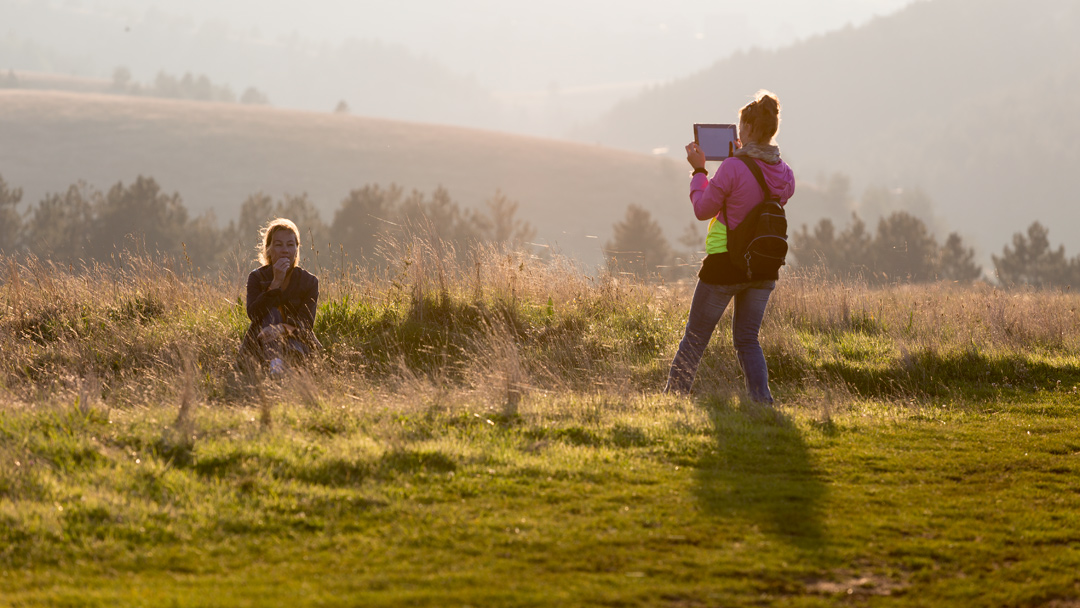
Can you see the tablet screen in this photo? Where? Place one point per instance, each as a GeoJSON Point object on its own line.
{"type": "Point", "coordinates": [716, 141]}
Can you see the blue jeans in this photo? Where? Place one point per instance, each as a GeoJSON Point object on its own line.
{"type": "Point", "coordinates": [705, 312]}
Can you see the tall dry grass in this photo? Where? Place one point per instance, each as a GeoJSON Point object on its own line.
{"type": "Point", "coordinates": [917, 339]}
{"type": "Point", "coordinates": [505, 324]}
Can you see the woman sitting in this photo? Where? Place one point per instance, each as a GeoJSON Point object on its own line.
{"type": "Point", "coordinates": [281, 302]}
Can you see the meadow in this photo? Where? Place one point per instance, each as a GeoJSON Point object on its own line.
{"type": "Point", "coordinates": [493, 434]}
{"type": "Point", "coordinates": [55, 138]}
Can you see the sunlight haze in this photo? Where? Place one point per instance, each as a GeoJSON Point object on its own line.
{"type": "Point", "coordinates": [552, 64]}
{"type": "Point", "coordinates": [889, 105]}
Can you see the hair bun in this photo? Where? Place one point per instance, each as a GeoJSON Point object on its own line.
{"type": "Point", "coordinates": [763, 115]}
{"type": "Point", "coordinates": [768, 102]}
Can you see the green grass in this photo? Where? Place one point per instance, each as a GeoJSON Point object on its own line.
{"type": "Point", "coordinates": [586, 500]}
{"type": "Point", "coordinates": [501, 441]}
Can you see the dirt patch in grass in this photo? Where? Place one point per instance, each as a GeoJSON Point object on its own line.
{"type": "Point", "coordinates": [857, 586]}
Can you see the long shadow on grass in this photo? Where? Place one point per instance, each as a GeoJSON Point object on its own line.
{"type": "Point", "coordinates": [759, 471]}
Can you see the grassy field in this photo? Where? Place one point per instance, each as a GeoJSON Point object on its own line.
{"type": "Point", "coordinates": [493, 435]}
{"type": "Point", "coordinates": [216, 155]}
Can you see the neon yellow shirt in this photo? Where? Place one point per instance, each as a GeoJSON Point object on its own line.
{"type": "Point", "coordinates": [716, 240]}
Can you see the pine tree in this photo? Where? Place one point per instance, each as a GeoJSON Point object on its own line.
{"type": "Point", "coordinates": [904, 250]}
{"type": "Point", "coordinates": [1031, 261]}
{"type": "Point", "coordinates": [137, 216]}
{"type": "Point", "coordinates": [498, 222]}
{"type": "Point", "coordinates": [60, 226]}
{"type": "Point", "coordinates": [639, 246]}
{"type": "Point", "coordinates": [363, 216]}
{"type": "Point", "coordinates": [256, 210]}
{"type": "Point", "coordinates": [957, 262]}
{"type": "Point", "coordinates": [10, 219]}
{"type": "Point", "coordinates": [844, 255]}
{"type": "Point", "coordinates": [314, 233]}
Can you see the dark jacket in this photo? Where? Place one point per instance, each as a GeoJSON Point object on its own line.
{"type": "Point", "coordinates": [296, 303]}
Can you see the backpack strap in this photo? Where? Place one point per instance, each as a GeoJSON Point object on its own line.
{"type": "Point", "coordinates": [756, 170]}
{"type": "Point", "coordinates": [767, 194]}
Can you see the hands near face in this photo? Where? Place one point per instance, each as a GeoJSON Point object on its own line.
{"type": "Point", "coordinates": [281, 269]}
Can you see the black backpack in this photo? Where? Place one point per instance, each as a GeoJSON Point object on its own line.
{"type": "Point", "coordinates": [757, 246]}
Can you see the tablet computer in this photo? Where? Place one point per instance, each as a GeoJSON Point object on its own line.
{"type": "Point", "coordinates": [716, 141]}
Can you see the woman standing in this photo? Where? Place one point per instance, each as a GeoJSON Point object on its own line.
{"type": "Point", "coordinates": [281, 301]}
{"type": "Point", "coordinates": [734, 187]}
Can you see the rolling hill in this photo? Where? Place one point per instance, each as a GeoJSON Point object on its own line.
{"type": "Point", "coordinates": [972, 101]}
{"type": "Point", "coordinates": [47, 81]}
{"type": "Point", "coordinates": [215, 155]}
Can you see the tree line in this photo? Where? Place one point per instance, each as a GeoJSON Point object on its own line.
{"type": "Point", "coordinates": [84, 224]}
{"type": "Point", "coordinates": [189, 86]}
{"type": "Point", "coordinates": [192, 87]}
{"type": "Point", "coordinates": [901, 249]}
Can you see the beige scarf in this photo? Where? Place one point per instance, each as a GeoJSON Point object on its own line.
{"type": "Point", "coordinates": [765, 152]}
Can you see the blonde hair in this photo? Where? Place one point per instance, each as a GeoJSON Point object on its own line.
{"type": "Point", "coordinates": [763, 116]}
{"type": "Point", "coordinates": [266, 236]}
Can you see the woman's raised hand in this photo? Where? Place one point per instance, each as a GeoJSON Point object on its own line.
{"type": "Point", "coordinates": [281, 269]}
{"type": "Point", "coordinates": [695, 156]}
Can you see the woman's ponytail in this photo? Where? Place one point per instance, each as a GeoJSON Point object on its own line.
{"type": "Point", "coordinates": [763, 116]}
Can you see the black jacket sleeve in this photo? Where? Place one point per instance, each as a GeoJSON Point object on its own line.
{"type": "Point", "coordinates": [260, 299]}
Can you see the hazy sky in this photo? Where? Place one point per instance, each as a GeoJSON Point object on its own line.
{"type": "Point", "coordinates": [545, 68]}
{"type": "Point", "coordinates": [509, 47]}
{"type": "Point", "coordinates": [550, 68]}
{"type": "Point", "coordinates": [532, 45]}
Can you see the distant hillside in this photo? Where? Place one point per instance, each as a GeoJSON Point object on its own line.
{"type": "Point", "coordinates": [972, 100]}
{"type": "Point", "coordinates": [45, 81]}
{"type": "Point", "coordinates": [215, 155]}
{"type": "Point", "coordinates": [374, 78]}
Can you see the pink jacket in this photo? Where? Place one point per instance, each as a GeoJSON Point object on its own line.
{"type": "Point", "coordinates": [735, 184]}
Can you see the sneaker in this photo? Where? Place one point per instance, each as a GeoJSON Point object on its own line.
{"type": "Point", "coordinates": [277, 367]}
